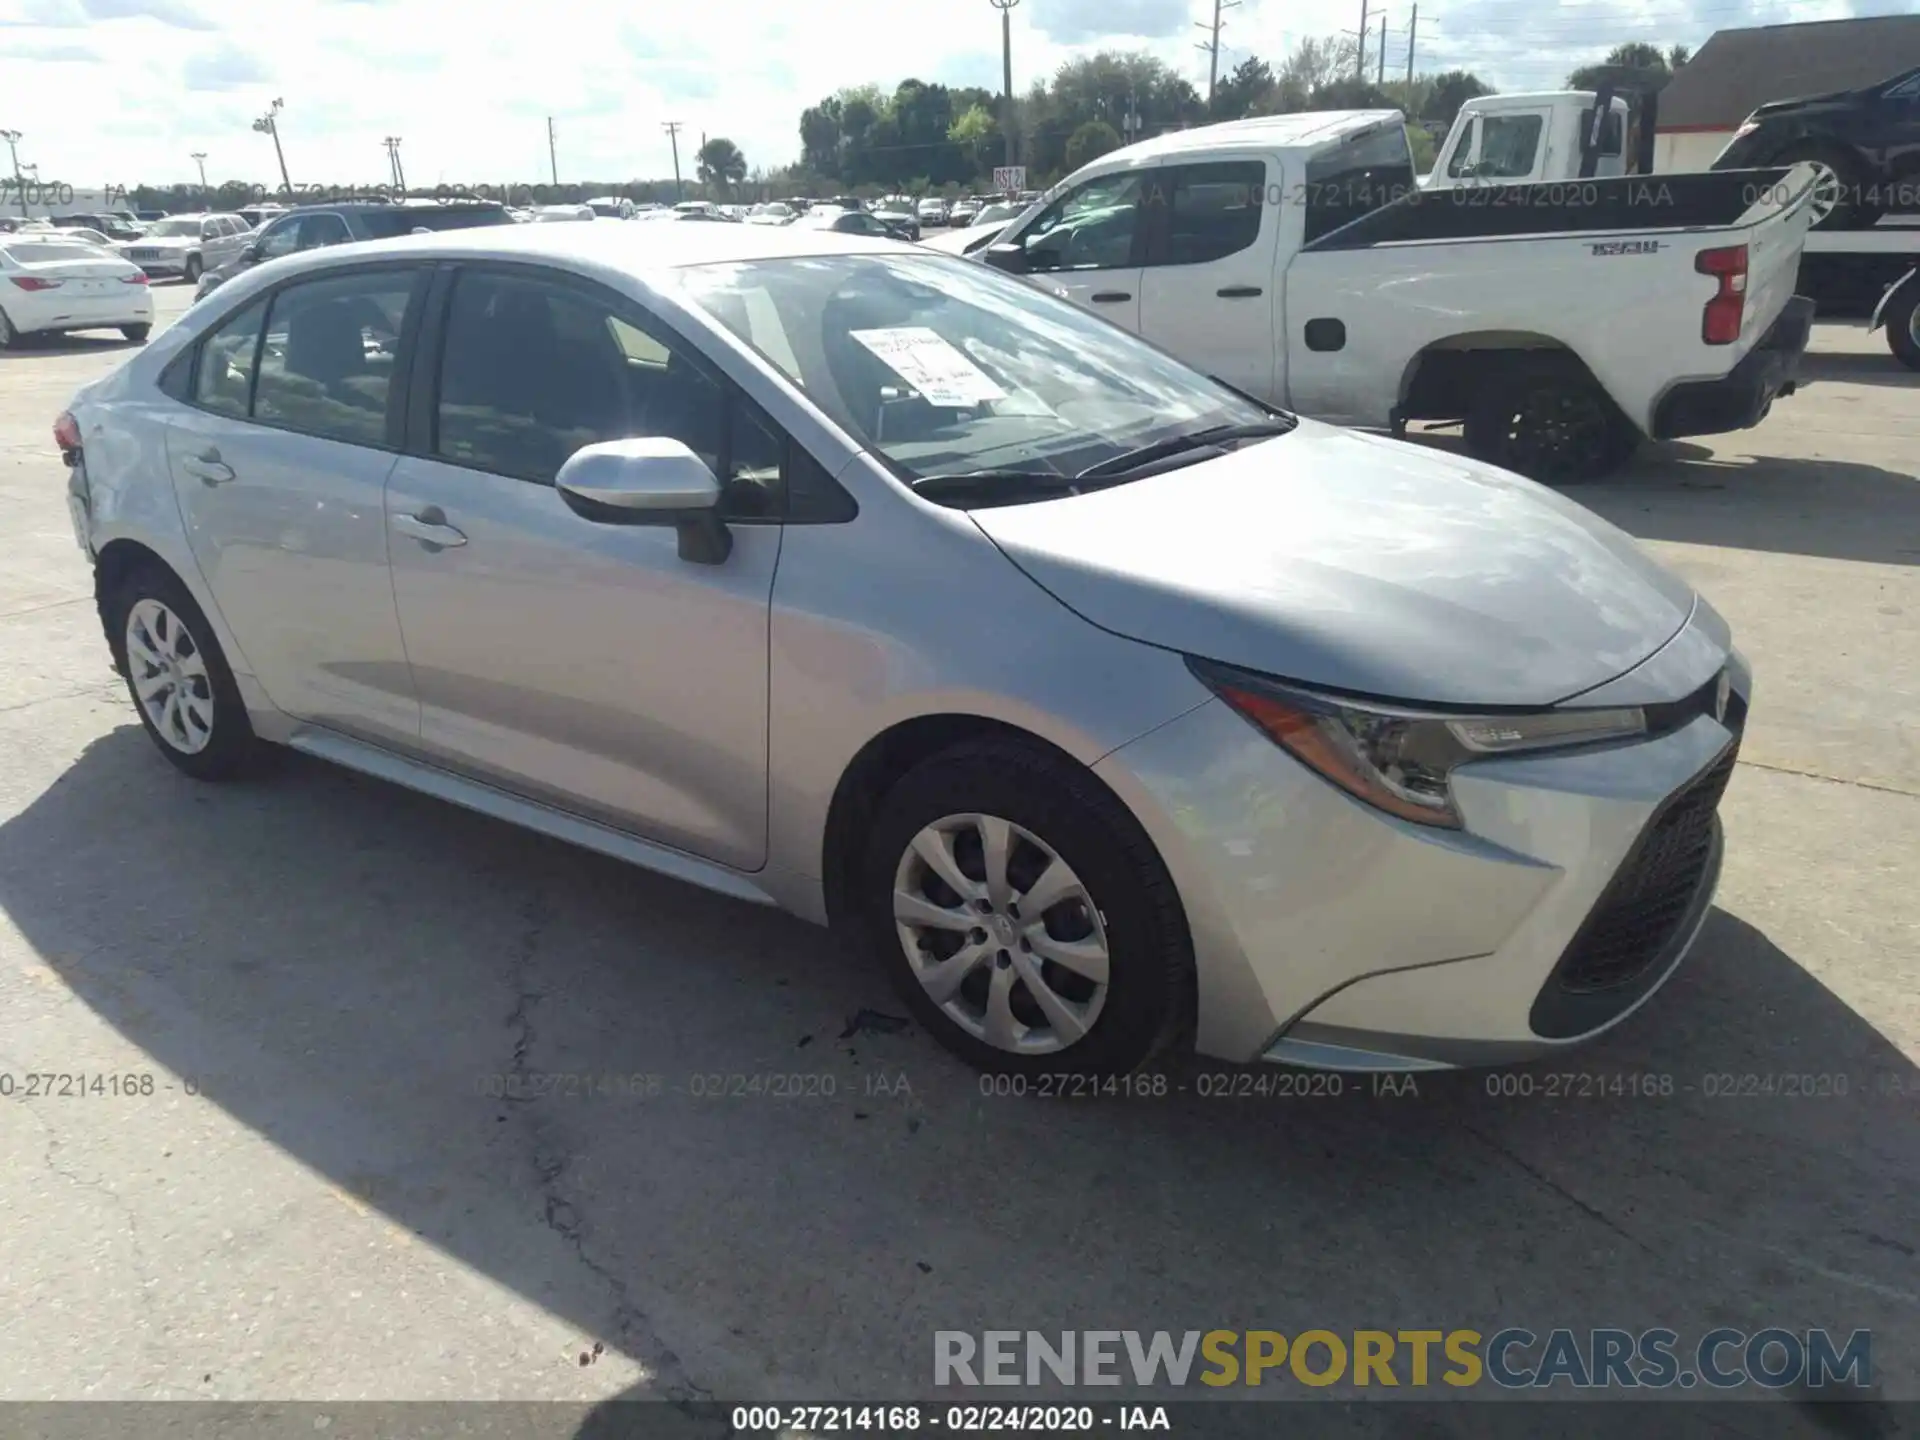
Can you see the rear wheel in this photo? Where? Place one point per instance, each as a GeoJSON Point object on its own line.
{"type": "Point", "coordinates": [137, 333]}
{"type": "Point", "coordinates": [9, 337]}
{"type": "Point", "coordinates": [176, 674]}
{"type": "Point", "coordinates": [1557, 430]}
{"type": "Point", "coordinates": [1902, 319]}
{"type": "Point", "coordinates": [1024, 916]}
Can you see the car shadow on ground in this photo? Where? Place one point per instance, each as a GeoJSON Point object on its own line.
{"type": "Point", "coordinates": [376, 983]}
{"type": "Point", "coordinates": [28, 347]}
{"type": "Point", "coordinates": [1857, 369]}
{"type": "Point", "coordinates": [1681, 491]}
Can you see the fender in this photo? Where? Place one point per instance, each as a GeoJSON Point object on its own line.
{"type": "Point", "coordinates": [1880, 310]}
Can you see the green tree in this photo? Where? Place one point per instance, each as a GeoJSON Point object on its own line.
{"type": "Point", "coordinates": [1447, 92]}
{"type": "Point", "coordinates": [719, 162]}
{"type": "Point", "coordinates": [1235, 96]}
{"type": "Point", "coordinates": [1636, 63]}
{"type": "Point", "coordinates": [1089, 142]}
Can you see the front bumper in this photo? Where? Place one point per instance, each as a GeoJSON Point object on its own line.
{"type": "Point", "coordinates": [1741, 398]}
{"type": "Point", "coordinates": [1327, 934]}
{"type": "Point", "coordinates": [161, 265]}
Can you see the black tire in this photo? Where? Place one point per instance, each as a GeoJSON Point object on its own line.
{"type": "Point", "coordinates": [1853, 209]}
{"type": "Point", "coordinates": [1902, 319]}
{"type": "Point", "coordinates": [231, 743]}
{"type": "Point", "coordinates": [9, 337]}
{"type": "Point", "coordinates": [1557, 429]}
{"type": "Point", "coordinates": [193, 269]}
{"type": "Point", "coordinates": [137, 333]}
{"type": "Point", "coordinates": [1149, 995]}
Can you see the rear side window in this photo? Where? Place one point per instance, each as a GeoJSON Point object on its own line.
{"type": "Point", "coordinates": [1357, 178]}
{"type": "Point", "coordinates": [327, 364]}
{"type": "Point", "coordinates": [223, 380]}
{"type": "Point", "coordinates": [1209, 212]}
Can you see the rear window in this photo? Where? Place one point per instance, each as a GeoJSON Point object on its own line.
{"type": "Point", "coordinates": [1357, 178]}
{"type": "Point", "coordinates": [383, 224]}
{"type": "Point", "coordinates": [35, 252]}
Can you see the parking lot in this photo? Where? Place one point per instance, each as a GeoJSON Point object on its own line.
{"type": "Point", "coordinates": [326, 977]}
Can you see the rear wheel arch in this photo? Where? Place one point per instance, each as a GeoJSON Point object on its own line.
{"type": "Point", "coordinates": [1442, 380]}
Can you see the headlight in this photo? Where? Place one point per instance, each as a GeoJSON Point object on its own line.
{"type": "Point", "coordinates": [1398, 759]}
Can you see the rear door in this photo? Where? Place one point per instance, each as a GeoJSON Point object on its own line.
{"type": "Point", "coordinates": [280, 458]}
{"type": "Point", "coordinates": [1207, 289]}
{"type": "Point", "coordinates": [1086, 246]}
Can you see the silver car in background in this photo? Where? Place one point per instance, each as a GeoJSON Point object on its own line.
{"type": "Point", "coordinates": [1112, 711]}
{"type": "Point", "coordinates": [188, 245]}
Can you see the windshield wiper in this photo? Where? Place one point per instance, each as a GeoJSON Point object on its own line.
{"type": "Point", "coordinates": [1211, 438]}
{"type": "Point", "coordinates": [993, 485]}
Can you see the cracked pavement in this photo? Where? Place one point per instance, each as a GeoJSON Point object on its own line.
{"type": "Point", "coordinates": [443, 1110]}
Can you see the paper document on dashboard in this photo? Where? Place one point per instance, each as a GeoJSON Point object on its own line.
{"type": "Point", "coordinates": [938, 370]}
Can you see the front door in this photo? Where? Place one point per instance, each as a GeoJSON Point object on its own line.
{"type": "Point", "coordinates": [582, 664]}
{"type": "Point", "coordinates": [1085, 246]}
{"type": "Point", "coordinates": [280, 456]}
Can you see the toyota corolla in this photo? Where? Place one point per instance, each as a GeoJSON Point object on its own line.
{"type": "Point", "coordinates": [1112, 711]}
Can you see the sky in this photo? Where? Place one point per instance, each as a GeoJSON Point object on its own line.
{"type": "Point", "coordinates": [121, 92]}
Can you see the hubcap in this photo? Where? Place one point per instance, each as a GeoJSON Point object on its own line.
{"type": "Point", "coordinates": [1001, 933]}
{"type": "Point", "coordinates": [1826, 191]}
{"type": "Point", "coordinates": [169, 676]}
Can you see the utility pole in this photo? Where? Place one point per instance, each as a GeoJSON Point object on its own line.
{"type": "Point", "coordinates": [1360, 60]}
{"type": "Point", "coordinates": [199, 157]}
{"type": "Point", "coordinates": [1005, 7]}
{"type": "Point", "coordinates": [12, 137]}
{"type": "Point", "coordinates": [673, 127]}
{"type": "Point", "coordinates": [1412, 26]}
{"type": "Point", "coordinates": [1212, 47]}
{"type": "Point", "coordinates": [269, 124]}
{"type": "Point", "coordinates": [399, 176]}
{"type": "Point", "coordinates": [553, 156]}
{"type": "Point", "coordinates": [1383, 49]}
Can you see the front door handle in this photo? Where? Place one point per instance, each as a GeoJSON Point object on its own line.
{"type": "Point", "coordinates": [1110, 297]}
{"type": "Point", "coordinates": [1238, 292]}
{"type": "Point", "coordinates": [207, 467]}
{"type": "Point", "coordinates": [429, 528]}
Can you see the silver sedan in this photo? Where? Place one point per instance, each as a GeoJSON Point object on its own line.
{"type": "Point", "coordinates": [1112, 711]}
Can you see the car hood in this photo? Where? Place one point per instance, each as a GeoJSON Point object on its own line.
{"type": "Point", "coordinates": [1832, 98]}
{"type": "Point", "coordinates": [1359, 564]}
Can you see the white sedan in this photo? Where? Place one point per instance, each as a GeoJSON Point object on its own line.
{"type": "Point", "coordinates": [50, 284]}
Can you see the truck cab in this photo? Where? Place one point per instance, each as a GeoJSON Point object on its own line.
{"type": "Point", "coordinates": [1528, 139]}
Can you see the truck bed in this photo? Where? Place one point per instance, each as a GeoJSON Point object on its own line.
{"type": "Point", "coordinates": [1707, 199]}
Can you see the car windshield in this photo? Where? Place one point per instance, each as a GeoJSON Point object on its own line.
{"type": "Point", "coordinates": [177, 227]}
{"type": "Point", "coordinates": [943, 368]}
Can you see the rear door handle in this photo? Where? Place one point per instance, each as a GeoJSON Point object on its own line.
{"type": "Point", "coordinates": [429, 528]}
{"type": "Point", "coordinates": [1238, 292]}
{"type": "Point", "coordinates": [207, 467]}
{"type": "Point", "coordinates": [1110, 297]}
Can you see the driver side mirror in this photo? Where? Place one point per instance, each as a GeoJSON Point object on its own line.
{"type": "Point", "coordinates": [649, 480]}
{"type": "Point", "coordinates": [250, 252]}
{"type": "Point", "coordinates": [1009, 256]}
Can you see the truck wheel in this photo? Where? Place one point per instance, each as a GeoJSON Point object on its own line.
{"type": "Point", "coordinates": [1902, 319]}
{"type": "Point", "coordinates": [1559, 431]}
{"type": "Point", "coordinates": [1839, 187]}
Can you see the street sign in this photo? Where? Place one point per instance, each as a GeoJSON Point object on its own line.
{"type": "Point", "coordinates": [1010, 178]}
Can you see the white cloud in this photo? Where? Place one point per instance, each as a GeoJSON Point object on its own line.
{"type": "Point", "coordinates": [469, 88]}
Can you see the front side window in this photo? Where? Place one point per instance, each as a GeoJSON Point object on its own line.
{"type": "Point", "coordinates": [944, 369]}
{"type": "Point", "coordinates": [1090, 228]}
{"type": "Point", "coordinates": [1508, 144]}
{"type": "Point", "coordinates": [1356, 178]}
{"type": "Point", "coordinates": [1212, 211]}
{"type": "Point", "coordinates": [1612, 134]}
{"type": "Point", "coordinates": [280, 238]}
{"type": "Point", "coordinates": [319, 230]}
{"type": "Point", "coordinates": [223, 379]}
{"type": "Point", "coordinates": [328, 361]}
{"type": "Point", "coordinates": [532, 370]}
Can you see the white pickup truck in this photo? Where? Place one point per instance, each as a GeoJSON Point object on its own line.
{"type": "Point", "coordinates": [1294, 258]}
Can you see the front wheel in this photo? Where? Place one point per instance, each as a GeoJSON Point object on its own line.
{"type": "Point", "coordinates": [193, 269]}
{"type": "Point", "coordinates": [1024, 916]}
{"type": "Point", "coordinates": [1559, 431]}
{"type": "Point", "coordinates": [9, 337]}
{"type": "Point", "coordinates": [1902, 319]}
{"type": "Point", "coordinates": [176, 674]}
{"type": "Point", "coordinates": [1839, 187]}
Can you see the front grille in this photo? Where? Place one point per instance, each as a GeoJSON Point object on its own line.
{"type": "Point", "coordinates": [143, 254]}
{"type": "Point", "coordinates": [1642, 909]}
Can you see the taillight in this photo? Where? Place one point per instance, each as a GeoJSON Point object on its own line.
{"type": "Point", "coordinates": [34, 282]}
{"type": "Point", "coordinates": [136, 279]}
{"type": "Point", "coordinates": [66, 433]}
{"type": "Point", "coordinates": [1720, 321]}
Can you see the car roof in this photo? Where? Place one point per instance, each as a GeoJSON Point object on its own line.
{"type": "Point", "coordinates": [635, 249]}
{"type": "Point", "coordinates": [1307, 129]}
